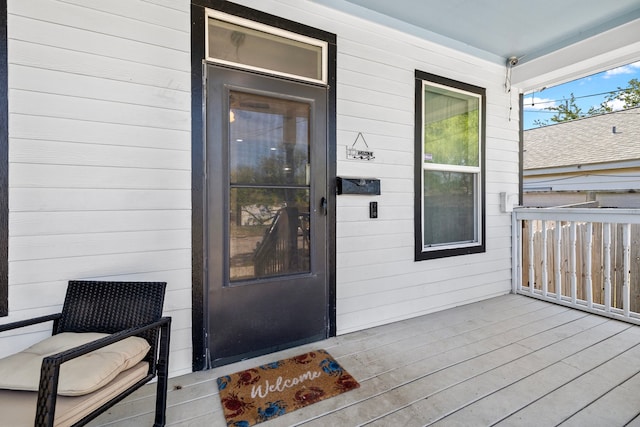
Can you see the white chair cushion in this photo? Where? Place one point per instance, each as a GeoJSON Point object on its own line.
{"type": "Point", "coordinates": [82, 375]}
{"type": "Point", "coordinates": [18, 408]}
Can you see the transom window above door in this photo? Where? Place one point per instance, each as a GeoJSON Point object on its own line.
{"type": "Point", "coordinates": [246, 44]}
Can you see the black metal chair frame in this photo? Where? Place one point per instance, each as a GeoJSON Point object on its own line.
{"type": "Point", "coordinates": [122, 309]}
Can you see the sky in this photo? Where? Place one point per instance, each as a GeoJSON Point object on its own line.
{"type": "Point", "coordinates": [589, 92]}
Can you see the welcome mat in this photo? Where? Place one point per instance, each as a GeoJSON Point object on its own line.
{"type": "Point", "coordinates": [268, 391]}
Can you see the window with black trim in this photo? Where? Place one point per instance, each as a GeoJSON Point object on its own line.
{"type": "Point", "coordinates": [449, 167]}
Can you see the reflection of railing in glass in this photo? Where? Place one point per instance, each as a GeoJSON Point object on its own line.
{"type": "Point", "coordinates": [285, 246]}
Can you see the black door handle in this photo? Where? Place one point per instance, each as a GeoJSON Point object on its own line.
{"type": "Point", "coordinates": [323, 205]}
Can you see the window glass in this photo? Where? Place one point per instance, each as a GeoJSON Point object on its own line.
{"type": "Point", "coordinates": [451, 132]}
{"type": "Point", "coordinates": [253, 48]}
{"type": "Point", "coordinates": [449, 208]}
{"type": "Point", "coordinates": [449, 167]}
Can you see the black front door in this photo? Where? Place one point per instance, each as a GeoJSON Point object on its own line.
{"type": "Point", "coordinates": [266, 213]}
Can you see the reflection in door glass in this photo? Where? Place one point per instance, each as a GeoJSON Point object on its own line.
{"type": "Point", "coordinates": [269, 232]}
{"type": "Point", "coordinates": [268, 139]}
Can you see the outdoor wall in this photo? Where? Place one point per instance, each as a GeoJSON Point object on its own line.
{"type": "Point", "coordinates": [377, 279]}
{"type": "Point", "coordinates": [612, 185]}
{"type": "Point", "coordinates": [602, 199]}
{"type": "Point", "coordinates": [100, 160]}
{"type": "Point", "coordinates": [603, 177]}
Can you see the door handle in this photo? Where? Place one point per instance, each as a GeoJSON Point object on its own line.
{"type": "Point", "coordinates": [323, 206]}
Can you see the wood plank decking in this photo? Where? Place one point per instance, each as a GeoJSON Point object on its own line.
{"type": "Point", "coordinates": [506, 361]}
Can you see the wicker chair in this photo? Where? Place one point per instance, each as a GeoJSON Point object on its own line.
{"type": "Point", "coordinates": [121, 309]}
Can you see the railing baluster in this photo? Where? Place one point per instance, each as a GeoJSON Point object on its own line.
{"type": "Point", "coordinates": [608, 291]}
{"type": "Point", "coordinates": [545, 275]}
{"type": "Point", "coordinates": [626, 248]}
{"type": "Point", "coordinates": [587, 266]}
{"type": "Point", "coordinates": [516, 254]}
{"type": "Point", "coordinates": [532, 273]}
{"type": "Point", "coordinates": [558, 266]}
{"type": "Point", "coordinates": [572, 260]}
{"type": "Point", "coordinates": [606, 231]}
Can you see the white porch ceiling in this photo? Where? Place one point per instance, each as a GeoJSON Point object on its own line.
{"type": "Point", "coordinates": [554, 40]}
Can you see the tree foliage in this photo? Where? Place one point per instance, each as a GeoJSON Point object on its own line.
{"type": "Point", "coordinates": [566, 111]}
{"type": "Point", "coordinates": [454, 140]}
{"type": "Point", "coordinates": [628, 97]}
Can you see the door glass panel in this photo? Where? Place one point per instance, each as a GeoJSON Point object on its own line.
{"type": "Point", "coordinates": [269, 195]}
{"type": "Point", "coordinates": [269, 232]}
{"type": "Point", "coordinates": [268, 140]}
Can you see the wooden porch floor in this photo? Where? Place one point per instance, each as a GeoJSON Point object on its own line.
{"type": "Point", "coordinates": [510, 360]}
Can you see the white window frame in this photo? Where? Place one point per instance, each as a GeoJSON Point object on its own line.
{"type": "Point", "coordinates": [214, 14]}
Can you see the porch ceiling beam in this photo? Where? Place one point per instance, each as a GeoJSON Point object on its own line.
{"type": "Point", "coordinates": [609, 49]}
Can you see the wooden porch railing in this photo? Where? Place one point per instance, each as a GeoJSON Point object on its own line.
{"type": "Point", "coordinates": [580, 257]}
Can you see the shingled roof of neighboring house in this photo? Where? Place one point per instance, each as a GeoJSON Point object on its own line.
{"type": "Point", "coordinates": [608, 137]}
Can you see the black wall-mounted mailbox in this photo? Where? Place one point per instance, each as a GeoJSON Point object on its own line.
{"type": "Point", "coordinates": [366, 186]}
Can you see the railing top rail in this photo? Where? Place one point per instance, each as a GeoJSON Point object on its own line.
{"type": "Point", "coordinates": [604, 215]}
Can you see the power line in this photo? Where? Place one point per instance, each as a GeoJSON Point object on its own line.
{"type": "Point", "coordinates": [612, 92]}
{"type": "Point", "coordinates": [586, 114]}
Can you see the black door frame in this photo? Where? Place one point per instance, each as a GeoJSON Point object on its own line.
{"type": "Point", "coordinates": [198, 193]}
{"type": "Point", "coordinates": [4, 163]}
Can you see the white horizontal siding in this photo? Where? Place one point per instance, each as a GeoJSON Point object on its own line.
{"type": "Point", "coordinates": [34, 176]}
{"type": "Point", "coordinates": [68, 199]}
{"type": "Point", "coordinates": [100, 159]}
{"type": "Point", "coordinates": [36, 22]}
{"type": "Point", "coordinates": [95, 110]}
{"type": "Point", "coordinates": [624, 200]}
{"type": "Point", "coordinates": [92, 64]}
{"type": "Point", "coordinates": [49, 129]}
{"type": "Point", "coordinates": [59, 82]}
{"type": "Point", "coordinates": [377, 279]}
{"type": "Point", "coordinates": [168, 13]}
{"type": "Point", "coordinates": [81, 154]}
{"type": "Point", "coordinates": [65, 222]}
{"type": "Point", "coordinates": [31, 248]}
{"type": "Point", "coordinates": [100, 154]}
